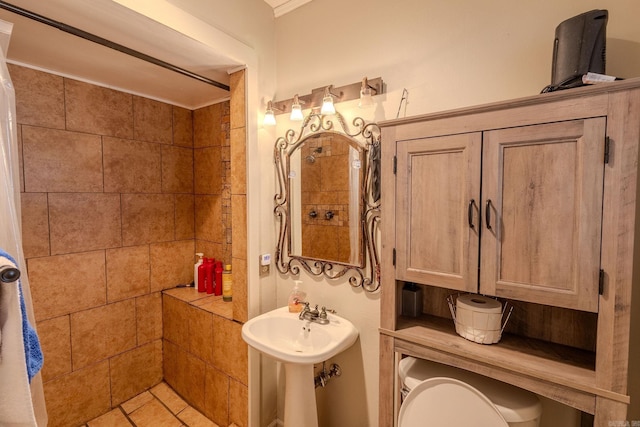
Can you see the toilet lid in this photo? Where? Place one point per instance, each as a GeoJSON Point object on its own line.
{"type": "Point", "coordinates": [448, 402]}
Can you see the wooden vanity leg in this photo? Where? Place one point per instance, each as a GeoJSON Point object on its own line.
{"type": "Point", "coordinates": [610, 413]}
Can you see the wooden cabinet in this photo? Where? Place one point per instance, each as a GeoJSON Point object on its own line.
{"type": "Point", "coordinates": [542, 200]}
{"type": "Point", "coordinates": [532, 201]}
{"type": "Point", "coordinates": [437, 178]}
{"type": "Point", "coordinates": [536, 217]}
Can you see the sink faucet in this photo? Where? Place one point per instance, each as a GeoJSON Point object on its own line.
{"type": "Point", "coordinates": [314, 315]}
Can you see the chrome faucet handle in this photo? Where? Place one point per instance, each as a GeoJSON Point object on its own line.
{"type": "Point", "coordinates": [323, 313]}
{"type": "Point", "coordinates": [315, 311]}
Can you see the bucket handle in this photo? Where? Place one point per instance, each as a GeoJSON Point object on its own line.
{"type": "Point", "coordinates": [510, 308]}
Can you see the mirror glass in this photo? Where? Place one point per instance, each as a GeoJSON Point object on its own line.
{"type": "Point", "coordinates": [328, 201]}
{"type": "Point", "coordinates": [325, 179]}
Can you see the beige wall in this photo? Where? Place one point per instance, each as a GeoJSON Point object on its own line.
{"type": "Point", "coordinates": [447, 55]}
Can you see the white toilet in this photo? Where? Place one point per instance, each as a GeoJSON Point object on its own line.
{"type": "Point", "coordinates": [440, 395]}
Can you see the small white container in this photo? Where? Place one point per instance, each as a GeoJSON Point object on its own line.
{"type": "Point", "coordinates": [479, 318]}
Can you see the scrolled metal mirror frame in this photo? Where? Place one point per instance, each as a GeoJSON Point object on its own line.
{"type": "Point", "coordinates": [367, 136]}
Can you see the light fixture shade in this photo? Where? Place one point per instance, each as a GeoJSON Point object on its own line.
{"type": "Point", "coordinates": [296, 113]}
{"type": "Point", "coordinates": [327, 105]}
{"type": "Point", "coordinates": [366, 98]}
{"type": "Point", "coordinates": [269, 117]}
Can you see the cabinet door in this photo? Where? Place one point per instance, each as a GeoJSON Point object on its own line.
{"type": "Point", "coordinates": [542, 199]}
{"type": "Point", "coordinates": [437, 215]}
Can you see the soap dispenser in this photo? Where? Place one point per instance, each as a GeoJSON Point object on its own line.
{"type": "Point", "coordinates": [295, 297]}
{"type": "Point", "coordinates": [195, 268]}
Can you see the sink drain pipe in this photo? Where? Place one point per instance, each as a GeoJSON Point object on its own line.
{"type": "Point", "coordinates": [324, 376]}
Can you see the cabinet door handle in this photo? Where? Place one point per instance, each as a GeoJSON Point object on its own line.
{"type": "Point", "coordinates": [472, 202]}
{"type": "Point", "coordinates": [487, 214]}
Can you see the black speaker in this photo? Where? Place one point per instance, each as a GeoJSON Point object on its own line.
{"type": "Point", "coordinates": [579, 47]}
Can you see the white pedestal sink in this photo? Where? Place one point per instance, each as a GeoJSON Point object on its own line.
{"type": "Point", "coordinates": [299, 344]}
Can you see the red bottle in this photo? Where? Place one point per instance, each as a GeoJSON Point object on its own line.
{"type": "Point", "coordinates": [218, 280]}
{"type": "Point", "coordinates": [202, 274]}
{"type": "Point", "coordinates": [210, 264]}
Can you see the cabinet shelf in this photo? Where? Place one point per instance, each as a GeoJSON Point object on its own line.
{"type": "Point", "coordinates": [540, 360]}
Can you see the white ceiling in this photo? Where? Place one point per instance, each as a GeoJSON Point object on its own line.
{"type": "Point", "coordinates": [41, 46]}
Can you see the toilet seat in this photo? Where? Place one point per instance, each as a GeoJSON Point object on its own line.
{"type": "Point", "coordinates": [441, 401]}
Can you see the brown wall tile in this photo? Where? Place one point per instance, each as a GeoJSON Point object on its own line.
{"type": "Point", "coordinates": [239, 289]}
{"type": "Point", "coordinates": [61, 161]}
{"type": "Point", "coordinates": [238, 161]}
{"type": "Point", "coordinates": [238, 403]}
{"type": "Point", "coordinates": [169, 360]}
{"type": "Point", "coordinates": [39, 97]}
{"type": "Point", "coordinates": [200, 333]}
{"type": "Point", "coordinates": [67, 283]}
{"type": "Point", "coordinates": [149, 317]}
{"type": "Point", "coordinates": [102, 332]}
{"type": "Point", "coordinates": [152, 120]}
{"type": "Point", "coordinates": [35, 224]}
{"type": "Point", "coordinates": [127, 272]}
{"type": "Point", "coordinates": [185, 217]}
{"type": "Point", "coordinates": [185, 374]}
{"type": "Point", "coordinates": [177, 169]}
{"type": "Point", "coordinates": [80, 396]}
{"type": "Point", "coordinates": [84, 221]}
{"type": "Point", "coordinates": [239, 226]}
{"type": "Point", "coordinates": [210, 249]}
{"type": "Point", "coordinates": [206, 126]}
{"type": "Point", "coordinates": [230, 352]}
{"type": "Point", "coordinates": [175, 321]}
{"type": "Point", "coordinates": [98, 110]}
{"type": "Point", "coordinates": [208, 218]}
{"type": "Point", "coordinates": [131, 166]}
{"type": "Point", "coordinates": [135, 370]}
{"type": "Point", "coordinates": [238, 105]}
{"type": "Point", "coordinates": [55, 339]}
{"type": "Point", "coordinates": [216, 393]}
{"type": "Point", "coordinates": [171, 264]}
{"type": "Point", "coordinates": [182, 127]}
{"type": "Point", "coordinates": [208, 170]}
{"type": "Point", "coordinates": [147, 218]}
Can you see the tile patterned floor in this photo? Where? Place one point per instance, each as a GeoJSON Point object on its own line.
{"type": "Point", "coordinates": [159, 406]}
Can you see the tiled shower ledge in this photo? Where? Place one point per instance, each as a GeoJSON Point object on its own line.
{"type": "Point", "coordinates": [210, 303]}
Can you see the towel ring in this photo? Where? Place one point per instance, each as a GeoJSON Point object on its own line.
{"type": "Point", "coordinates": [9, 274]}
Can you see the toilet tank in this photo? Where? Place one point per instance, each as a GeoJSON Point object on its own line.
{"type": "Point", "coordinates": [519, 408]}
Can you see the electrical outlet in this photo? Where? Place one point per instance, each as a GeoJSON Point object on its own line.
{"type": "Point", "coordinates": [265, 264]}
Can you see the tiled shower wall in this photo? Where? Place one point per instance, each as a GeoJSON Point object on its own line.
{"type": "Point", "coordinates": [110, 219]}
{"type": "Point", "coordinates": [205, 358]}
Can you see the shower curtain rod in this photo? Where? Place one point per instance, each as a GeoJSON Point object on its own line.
{"type": "Point", "coordinates": [108, 43]}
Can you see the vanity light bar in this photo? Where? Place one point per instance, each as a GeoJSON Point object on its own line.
{"type": "Point", "coordinates": [341, 94]}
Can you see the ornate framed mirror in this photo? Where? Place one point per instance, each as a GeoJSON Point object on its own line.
{"type": "Point", "coordinates": [328, 200]}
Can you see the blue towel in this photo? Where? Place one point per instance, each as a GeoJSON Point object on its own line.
{"type": "Point", "coordinates": [32, 351]}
